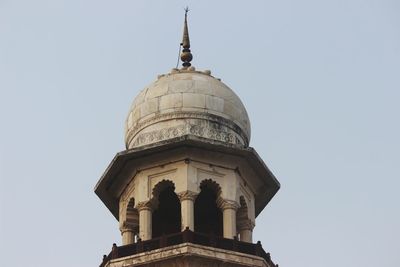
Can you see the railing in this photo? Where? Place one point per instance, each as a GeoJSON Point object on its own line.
{"type": "Point", "coordinates": [188, 236]}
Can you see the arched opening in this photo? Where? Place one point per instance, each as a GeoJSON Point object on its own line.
{"type": "Point", "coordinates": [130, 223]}
{"type": "Point", "coordinates": [242, 213]}
{"type": "Point", "coordinates": [166, 217]}
{"type": "Point", "coordinates": [132, 216]}
{"type": "Point", "coordinates": [243, 224]}
{"type": "Point", "coordinates": [207, 216]}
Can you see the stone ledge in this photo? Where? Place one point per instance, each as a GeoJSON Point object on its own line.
{"type": "Point", "coordinates": [188, 254]}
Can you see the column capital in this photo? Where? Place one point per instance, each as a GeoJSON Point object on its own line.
{"type": "Point", "coordinates": [227, 204]}
{"type": "Point", "coordinates": [245, 225]}
{"type": "Point", "coordinates": [128, 227]}
{"type": "Point", "coordinates": [187, 195]}
{"type": "Point", "coordinates": [144, 205]}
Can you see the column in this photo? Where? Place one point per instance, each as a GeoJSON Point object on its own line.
{"type": "Point", "coordinates": [245, 229]}
{"type": "Point", "coordinates": [128, 235]}
{"type": "Point", "coordinates": [229, 209]}
{"type": "Point", "coordinates": [187, 199]}
{"type": "Point", "coordinates": [128, 219]}
{"type": "Point", "coordinates": [145, 224]}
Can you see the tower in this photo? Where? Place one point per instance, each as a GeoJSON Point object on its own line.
{"type": "Point", "coordinates": [188, 188]}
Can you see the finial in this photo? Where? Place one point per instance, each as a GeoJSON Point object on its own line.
{"type": "Point", "coordinates": [186, 56]}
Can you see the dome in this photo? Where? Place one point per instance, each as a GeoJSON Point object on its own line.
{"type": "Point", "coordinates": [187, 102]}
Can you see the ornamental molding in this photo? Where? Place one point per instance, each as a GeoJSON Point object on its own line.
{"type": "Point", "coordinates": [227, 204]}
{"type": "Point", "coordinates": [129, 227]}
{"type": "Point", "coordinates": [245, 225]}
{"type": "Point", "coordinates": [144, 205]}
{"type": "Point", "coordinates": [208, 131]}
{"type": "Point", "coordinates": [218, 128]}
{"type": "Point", "coordinates": [187, 195]}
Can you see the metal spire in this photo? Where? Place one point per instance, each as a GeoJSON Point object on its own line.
{"type": "Point", "coordinates": [186, 56]}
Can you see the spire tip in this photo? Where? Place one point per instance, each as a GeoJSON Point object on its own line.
{"type": "Point", "coordinates": [186, 55]}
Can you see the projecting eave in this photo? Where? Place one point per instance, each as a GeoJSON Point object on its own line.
{"type": "Point", "coordinates": [127, 163]}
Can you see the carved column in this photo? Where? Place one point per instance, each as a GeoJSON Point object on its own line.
{"type": "Point", "coordinates": [187, 199]}
{"type": "Point", "coordinates": [229, 209]}
{"type": "Point", "coordinates": [128, 234]}
{"type": "Point", "coordinates": [245, 230]}
{"type": "Point", "coordinates": [145, 223]}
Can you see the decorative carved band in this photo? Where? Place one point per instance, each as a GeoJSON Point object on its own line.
{"type": "Point", "coordinates": [215, 127]}
{"type": "Point", "coordinates": [187, 195]}
{"type": "Point", "coordinates": [180, 130]}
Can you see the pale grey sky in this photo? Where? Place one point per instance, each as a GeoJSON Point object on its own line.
{"type": "Point", "coordinates": [320, 80]}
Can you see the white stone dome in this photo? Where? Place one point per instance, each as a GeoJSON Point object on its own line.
{"type": "Point", "coordinates": [187, 102]}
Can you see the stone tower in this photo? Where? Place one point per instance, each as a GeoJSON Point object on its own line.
{"type": "Point", "coordinates": [188, 188]}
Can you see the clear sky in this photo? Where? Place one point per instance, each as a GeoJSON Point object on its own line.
{"type": "Point", "coordinates": [320, 81]}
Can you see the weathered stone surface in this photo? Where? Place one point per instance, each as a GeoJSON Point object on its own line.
{"type": "Point", "coordinates": [186, 97]}
{"type": "Point", "coordinates": [181, 86]}
{"type": "Point", "coordinates": [215, 103]}
{"type": "Point", "coordinates": [171, 101]}
{"type": "Point", "coordinates": [148, 107]}
{"type": "Point", "coordinates": [192, 255]}
{"type": "Point", "coordinates": [164, 126]}
{"type": "Point", "coordinates": [157, 91]}
{"type": "Point", "coordinates": [194, 100]}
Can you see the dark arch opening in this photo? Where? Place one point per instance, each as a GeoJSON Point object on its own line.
{"type": "Point", "coordinates": [207, 215]}
{"type": "Point", "coordinates": [132, 216]}
{"type": "Point", "coordinates": [166, 217]}
{"type": "Point", "coordinates": [241, 216]}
